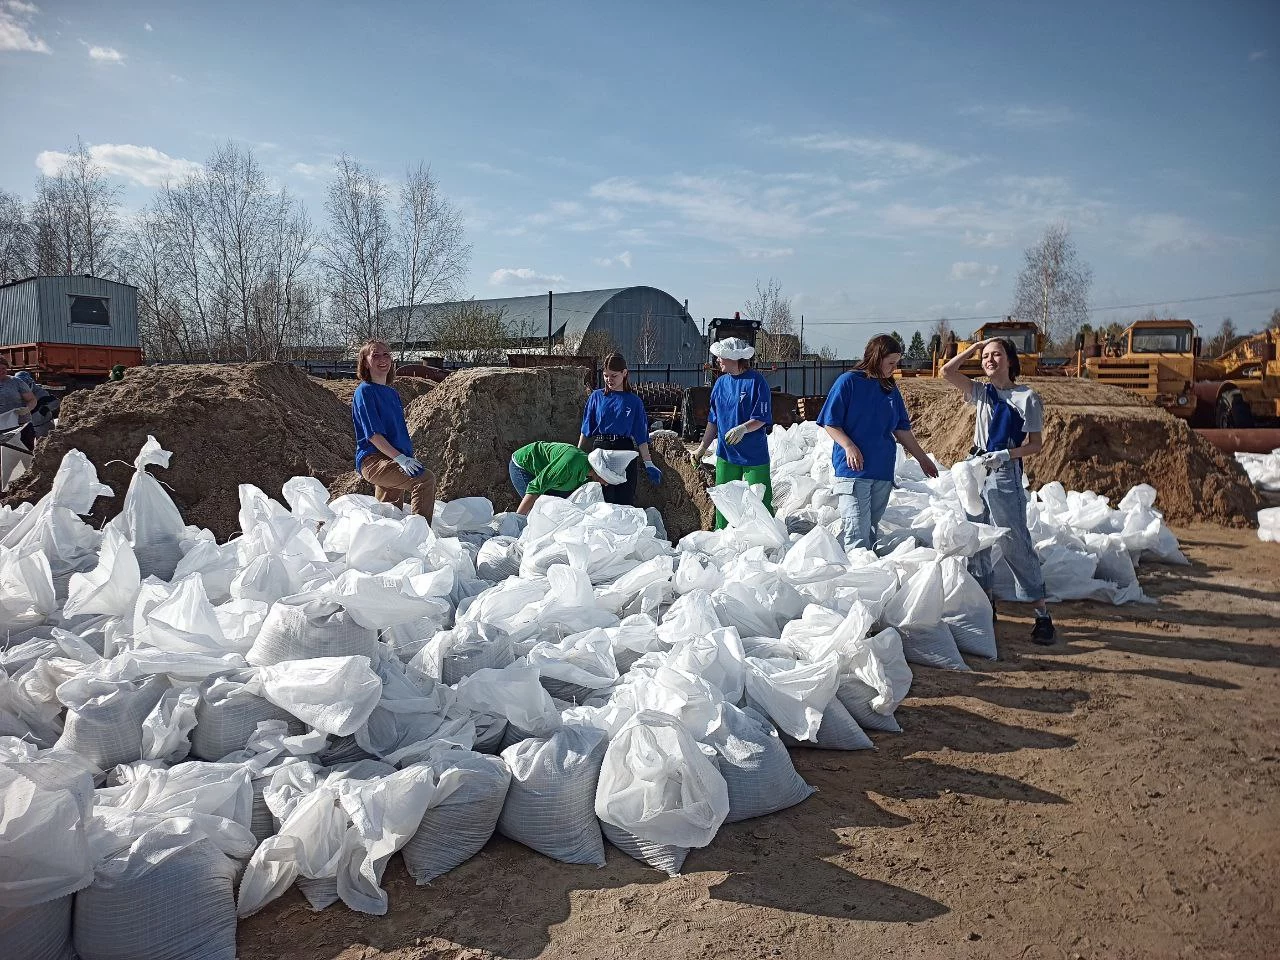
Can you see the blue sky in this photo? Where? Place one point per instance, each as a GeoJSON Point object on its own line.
{"type": "Point", "coordinates": [880, 160]}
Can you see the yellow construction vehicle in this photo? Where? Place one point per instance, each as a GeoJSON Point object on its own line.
{"type": "Point", "coordinates": [1155, 359]}
{"type": "Point", "coordinates": [1241, 388]}
{"type": "Point", "coordinates": [1026, 337]}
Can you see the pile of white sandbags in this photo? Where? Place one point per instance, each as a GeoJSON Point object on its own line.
{"type": "Point", "coordinates": [188, 728]}
{"type": "Point", "coordinates": [1263, 469]}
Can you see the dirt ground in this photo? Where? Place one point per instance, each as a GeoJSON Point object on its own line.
{"type": "Point", "coordinates": [1111, 797]}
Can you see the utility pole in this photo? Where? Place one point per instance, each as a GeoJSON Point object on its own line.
{"type": "Point", "coordinates": [549, 313]}
{"type": "Point", "coordinates": [804, 375]}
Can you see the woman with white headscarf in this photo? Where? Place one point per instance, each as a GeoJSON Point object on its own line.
{"type": "Point", "coordinates": [741, 413]}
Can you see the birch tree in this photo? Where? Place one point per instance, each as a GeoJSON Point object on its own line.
{"type": "Point", "coordinates": [1053, 287]}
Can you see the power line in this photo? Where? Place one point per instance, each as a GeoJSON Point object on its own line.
{"type": "Point", "coordinates": [865, 321]}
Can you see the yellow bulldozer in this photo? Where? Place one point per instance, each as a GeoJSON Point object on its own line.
{"type": "Point", "coordinates": [1155, 359]}
{"type": "Point", "coordinates": [1026, 336]}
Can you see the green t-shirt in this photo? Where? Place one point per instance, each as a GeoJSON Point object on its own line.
{"type": "Point", "coordinates": [555, 466]}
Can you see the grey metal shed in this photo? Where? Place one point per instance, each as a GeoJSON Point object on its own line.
{"type": "Point", "coordinates": [620, 313]}
{"type": "Point", "coordinates": [81, 310]}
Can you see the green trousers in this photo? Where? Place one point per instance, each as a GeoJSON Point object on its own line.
{"type": "Point", "coordinates": [726, 471]}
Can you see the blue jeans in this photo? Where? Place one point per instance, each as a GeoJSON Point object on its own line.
{"type": "Point", "coordinates": [862, 509]}
{"type": "Point", "coordinates": [1006, 506]}
{"type": "Point", "coordinates": [521, 478]}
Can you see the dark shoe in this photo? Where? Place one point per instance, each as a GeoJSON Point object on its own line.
{"type": "Point", "coordinates": [1042, 633]}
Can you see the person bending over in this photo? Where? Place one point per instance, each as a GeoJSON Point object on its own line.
{"type": "Point", "coordinates": [558, 469]}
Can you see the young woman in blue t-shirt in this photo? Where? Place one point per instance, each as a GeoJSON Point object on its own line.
{"type": "Point", "coordinates": [865, 416]}
{"type": "Point", "coordinates": [384, 452]}
{"type": "Point", "coordinates": [615, 419]}
{"type": "Point", "coordinates": [741, 413]}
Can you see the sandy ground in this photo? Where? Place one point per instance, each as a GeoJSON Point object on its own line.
{"type": "Point", "coordinates": [1114, 796]}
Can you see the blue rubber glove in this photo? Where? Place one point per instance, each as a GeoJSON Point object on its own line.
{"type": "Point", "coordinates": [655, 475]}
{"type": "Point", "coordinates": [410, 466]}
{"type": "Point", "coordinates": [995, 460]}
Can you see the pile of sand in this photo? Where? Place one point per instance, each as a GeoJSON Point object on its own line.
{"type": "Point", "coordinates": [1105, 439]}
{"type": "Point", "coordinates": [682, 498]}
{"type": "Point", "coordinates": [226, 424]}
{"type": "Point", "coordinates": [409, 388]}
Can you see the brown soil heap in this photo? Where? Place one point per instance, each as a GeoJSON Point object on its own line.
{"type": "Point", "coordinates": [226, 424]}
{"type": "Point", "coordinates": [682, 498]}
{"type": "Point", "coordinates": [409, 388]}
{"type": "Point", "coordinates": [1105, 439]}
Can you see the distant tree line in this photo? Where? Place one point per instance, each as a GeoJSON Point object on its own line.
{"type": "Point", "coordinates": [230, 266]}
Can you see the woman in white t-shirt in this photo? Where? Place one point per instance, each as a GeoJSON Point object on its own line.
{"type": "Point", "coordinates": [1008, 426]}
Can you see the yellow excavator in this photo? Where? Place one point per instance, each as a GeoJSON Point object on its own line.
{"type": "Point", "coordinates": [1155, 359]}
{"type": "Point", "coordinates": [1241, 388]}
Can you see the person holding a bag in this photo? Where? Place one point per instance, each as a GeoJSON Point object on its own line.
{"type": "Point", "coordinates": [615, 419]}
{"type": "Point", "coordinates": [558, 469]}
{"type": "Point", "coordinates": [384, 452]}
{"type": "Point", "coordinates": [1008, 427]}
{"type": "Point", "coordinates": [865, 415]}
{"type": "Point", "coordinates": [741, 413]}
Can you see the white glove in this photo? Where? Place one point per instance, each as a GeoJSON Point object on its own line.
{"type": "Point", "coordinates": [735, 435]}
{"type": "Point", "coordinates": [993, 461]}
{"type": "Point", "coordinates": [410, 466]}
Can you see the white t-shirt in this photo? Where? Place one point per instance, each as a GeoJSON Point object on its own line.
{"type": "Point", "coordinates": [1022, 398]}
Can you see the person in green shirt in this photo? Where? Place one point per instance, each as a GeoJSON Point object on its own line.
{"type": "Point", "coordinates": [558, 469]}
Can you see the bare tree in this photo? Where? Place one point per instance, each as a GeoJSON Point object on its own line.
{"type": "Point", "coordinates": [1053, 287]}
{"type": "Point", "coordinates": [1223, 340]}
{"type": "Point", "coordinates": [469, 331]}
{"type": "Point", "coordinates": [17, 241]}
{"type": "Point", "coordinates": [648, 346]}
{"type": "Point", "coordinates": [777, 321]}
{"type": "Point", "coordinates": [357, 251]}
{"type": "Point", "coordinates": [74, 218]}
{"type": "Point", "coordinates": [431, 258]}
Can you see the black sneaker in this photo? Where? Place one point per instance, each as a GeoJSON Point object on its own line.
{"type": "Point", "coordinates": [1042, 633]}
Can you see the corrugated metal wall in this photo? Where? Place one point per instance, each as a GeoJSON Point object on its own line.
{"type": "Point", "coordinates": [39, 310]}
{"type": "Point", "coordinates": [623, 317]}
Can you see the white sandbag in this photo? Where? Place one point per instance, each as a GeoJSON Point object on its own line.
{"type": "Point", "coordinates": [166, 730]}
{"type": "Point", "coordinates": [746, 515]}
{"type": "Point", "coordinates": [149, 520]}
{"type": "Point", "coordinates": [39, 932]}
{"type": "Point", "coordinates": [331, 694]}
{"type": "Point", "coordinates": [466, 514]}
{"type": "Point", "coordinates": [45, 807]}
{"type": "Point", "coordinates": [470, 791]}
{"type": "Point", "coordinates": [838, 731]}
{"type": "Point", "coordinates": [227, 716]}
{"type": "Point", "coordinates": [104, 717]}
{"type": "Point", "coordinates": [453, 654]}
{"type": "Point", "coordinates": [514, 693]}
{"type": "Point", "coordinates": [215, 564]}
{"type": "Point", "coordinates": [716, 657]}
{"type": "Point", "coordinates": [408, 592]}
{"type": "Point", "coordinates": [27, 593]}
{"type": "Point", "coordinates": [793, 694]}
{"type": "Point", "coordinates": [756, 767]}
{"type": "Point", "coordinates": [1269, 525]}
{"type": "Point", "coordinates": [916, 612]}
{"type": "Point", "coordinates": [168, 897]}
{"type": "Point", "coordinates": [308, 499]}
{"type": "Point", "coordinates": [112, 586]}
{"type": "Point", "coordinates": [550, 804]}
{"type": "Point", "coordinates": [966, 610]}
{"type": "Point", "coordinates": [305, 626]}
{"type": "Point", "coordinates": [574, 668]}
{"type": "Point", "coordinates": [185, 622]}
{"type": "Point", "coordinates": [656, 784]}
{"type": "Point", "coordinates": [969, 477]}
{"type": "Point", "coordinates": [498, 559]}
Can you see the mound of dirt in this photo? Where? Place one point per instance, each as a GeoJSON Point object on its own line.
{"type": "Point", "coordinates": [682, 498]}
{"type": "Point", "coordinates": [409, 388]}
{"type": "Point", "coordinates": [466, 429]}
{"type": "Point", "coordinates": [1105, 439]}
{"type": "Point", "coordinates": [226, 424]}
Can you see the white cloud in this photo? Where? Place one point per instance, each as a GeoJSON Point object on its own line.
{"type": "Point", "coordinates": [146, 27]}
{"type": "Point", "coordinates": [770, 253]}
{"type": "Point", "coordinates": [899, 157]}
{"type": "Point", "coordinates": [1257, 55]}
{"type": "Point", "coordinates": [143, 165]}
{"type": "Point", "coordinates": [1164, 233]}
{"type": "Point", "coordinates": [492, 170]}
{"type": "Point", "coordinates": [523, 277]}
{"type": "Point", "coordinates": [622, 259]}
{"type": "Point", "coordinates": [105, 54]}
{"type": "Point", "coordinates": [971, 269]}
{"type": "Point", "coordinates": [988, 239]}
{"type": "Point", "coordinates": [1020, 115]}
{"type": "Point", "coordinates": [14, 34]}
{"type": "Point", "coordinates": [312, 171]}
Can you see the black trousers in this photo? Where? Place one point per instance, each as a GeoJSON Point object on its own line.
{"type": "Point", "coordinates": [622, 493]}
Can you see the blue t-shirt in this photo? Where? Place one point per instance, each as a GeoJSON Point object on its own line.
{"type": "Point", "coordinates": [735, 399]}
{"type": "Point", "coordinates": [611, 414]}
{"type": "Point", "coordinates": [859, 406]}
{"type": "Point", "coordinates": [377, 409]}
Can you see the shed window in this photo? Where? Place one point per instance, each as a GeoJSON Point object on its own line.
{"type": "Point", "coordinates": [90, 310]}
